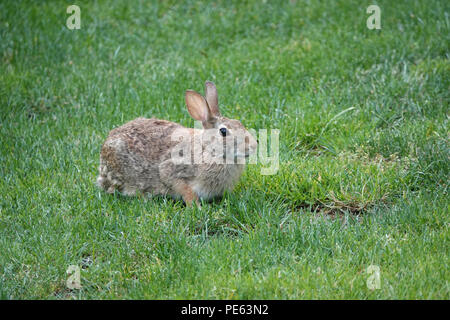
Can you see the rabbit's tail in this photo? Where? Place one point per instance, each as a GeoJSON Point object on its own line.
{"type": "Point", "coordinates": [106, 180]}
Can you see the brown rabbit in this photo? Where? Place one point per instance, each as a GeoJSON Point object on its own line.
{"type": "Point", "coordinates": [144, 154]}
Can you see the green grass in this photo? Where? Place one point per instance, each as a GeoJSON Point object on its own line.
{"type": "Point", "coordinates": [364, 159]}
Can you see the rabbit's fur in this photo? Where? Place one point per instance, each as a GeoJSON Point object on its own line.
{"type": "Point", "coordinates": [138, 156]}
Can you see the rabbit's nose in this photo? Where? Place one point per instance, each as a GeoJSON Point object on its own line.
{"type": "Point", "coordinates": [248, 141]}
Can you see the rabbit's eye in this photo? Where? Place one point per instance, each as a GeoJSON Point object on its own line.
{"type": "Point", "coordinates": [223, 131]}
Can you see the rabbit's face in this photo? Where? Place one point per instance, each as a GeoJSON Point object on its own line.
{"type": "Point", "coordinates": [221, 136]}
{"type": "Point", "coordinates": [235, 139]}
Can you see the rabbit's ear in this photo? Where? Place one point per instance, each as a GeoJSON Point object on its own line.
{"type": "Point", "coordinates": [211, 97]}
{"type": "Point", "coordinates": [197, 106]}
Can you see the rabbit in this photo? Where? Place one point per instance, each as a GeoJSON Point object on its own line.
{"type": "Point", "coordinates": [138, 157]}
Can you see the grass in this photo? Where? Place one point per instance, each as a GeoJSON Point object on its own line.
{"type": "Point", "coordinates": [364, 151]}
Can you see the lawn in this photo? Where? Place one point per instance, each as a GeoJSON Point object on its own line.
{"type": "Point", "coordinates": [364, 154]}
